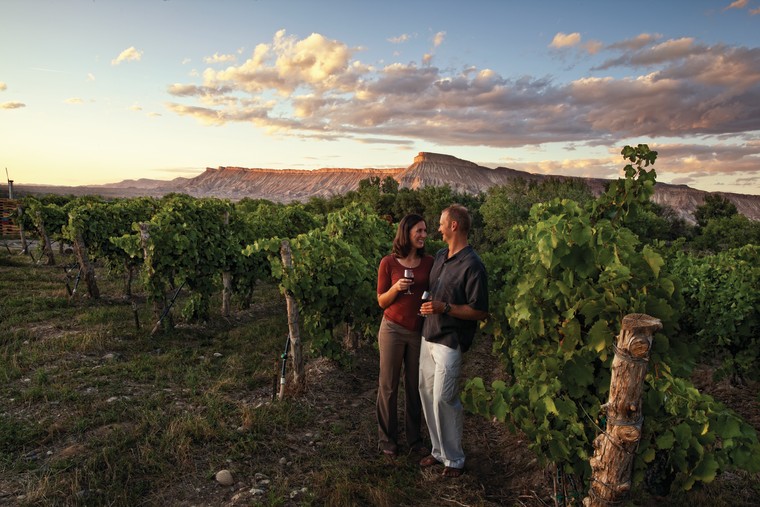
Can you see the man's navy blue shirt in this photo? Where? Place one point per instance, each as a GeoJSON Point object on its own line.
{"type": "Point", "coordinates": [458, 280]}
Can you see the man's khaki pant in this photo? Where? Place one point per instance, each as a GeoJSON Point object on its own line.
{"type": "Point", "coordinates": [439, 390]}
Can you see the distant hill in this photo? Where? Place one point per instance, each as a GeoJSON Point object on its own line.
{"type": "Point", "coordinates": [286, 185]}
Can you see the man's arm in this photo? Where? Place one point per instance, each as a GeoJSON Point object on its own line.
{"type": "Point", "coordinates": [464, 312]}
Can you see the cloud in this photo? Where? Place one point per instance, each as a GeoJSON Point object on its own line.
{"type": "Point", "coordinates": [315, 86]}
{"type": "Point", "coordinates": [288, 63]}
{"type": "Point", "coordinates": [12, 105]}
{"type": "Point", "coordinates": [653, 55]}
{"type": "Point", "coordinates": [90, 76]}
{"type": "Point", "coordinates": [129, 54]}
{"type": "Point", "coordinates": [738, 4]}
{"type": "Point", "coordinates": [709, 159]}
{"type": "Point", "coordinates": [74, 100]}
{"type": "Point", "coordinates": [438, 39]}
{"type": "Point", "coordinates": [399, 39]}
{"type": "Point", "coordinates": [135, 107]}
{"type": "Point", "coordinates": [638, 42]}
{"type": "Point", "coordinates": [3, 86]}
{"type": "Point", "coordinates": [217, 58]}
{"type": "Point", "coordinates": [564, 40]}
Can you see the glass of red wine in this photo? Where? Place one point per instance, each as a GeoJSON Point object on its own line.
{"type": "Point", "coordinates": [425, 297]}
{"type": "Point", "coordinates": [409, 275]}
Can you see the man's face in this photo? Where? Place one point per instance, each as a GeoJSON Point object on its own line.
{"type": "Point", "coordinates": [444, 227]}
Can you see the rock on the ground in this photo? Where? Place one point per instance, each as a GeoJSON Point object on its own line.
{"type": "Point", "coordinates": [224, 477]}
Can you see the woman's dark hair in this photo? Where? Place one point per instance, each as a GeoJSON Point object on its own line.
{"type": "Point", "coordinates": [401, 244]}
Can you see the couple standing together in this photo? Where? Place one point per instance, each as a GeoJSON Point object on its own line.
{"type": "Point", "coordinates": [427, 339]}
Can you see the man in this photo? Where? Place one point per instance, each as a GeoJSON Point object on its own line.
{"type": "Point", "coordinates": [458, 287]}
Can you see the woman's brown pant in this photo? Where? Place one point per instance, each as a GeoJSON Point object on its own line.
{"type": "Point", "coordinates": [399, 347]}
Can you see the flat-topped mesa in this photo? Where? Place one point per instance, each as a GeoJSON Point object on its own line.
{"type": "Point", "coordinates": [440, 158]}
{"type": "Point", "coordinates": [367, 172]}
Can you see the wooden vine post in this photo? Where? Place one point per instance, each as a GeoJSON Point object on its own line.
{"type": "Point", "coordinates": [80, 249]}
{"type": "Point", "coordinates": [21, 232]}
{"type": "Point", "coordinates": [296, 352]}
{"type": "Point", "coordinates": [159, 306]}
{"type": "Point", "coordinates": [226, 276]}
{"type": "Point", "coordinates": [47, 245]}
{"type": "Point", "coordinates": [614, 449]}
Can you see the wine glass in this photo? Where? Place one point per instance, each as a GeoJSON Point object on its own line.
{"type": "Point", "coordinates": [425, 297]}
{"type": "Point", "coordinates": [409, 275]}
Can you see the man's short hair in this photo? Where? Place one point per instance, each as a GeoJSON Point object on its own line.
{"type": "Point", "coordinates": [459, 214]}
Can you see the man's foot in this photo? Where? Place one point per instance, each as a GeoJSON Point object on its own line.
{"type": "Point", "coordinates": [429, 460]}
{"type": "Point", "coordinates": [452, 473]}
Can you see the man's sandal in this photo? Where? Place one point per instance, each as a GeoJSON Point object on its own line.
{"type": "Point", "coordinates": [429, 461]}
{"type": "Point", "coordinates": [452, 472]}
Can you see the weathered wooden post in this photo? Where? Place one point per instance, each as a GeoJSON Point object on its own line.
{"type": "Point", "coordinates": [80, 249]}
{"type": "Point", "coordinates": [47, 245]}
{"type": "Point", "coordinates": [614, 449]}
{"type": "Point", "coordinates": [159, 306]}
{"type": "Point", "coordinates": [226, 277]}
{"type": "Point", "coordinates": [22, 233]}
{"type": "Point", "coordinates": [299, 378]}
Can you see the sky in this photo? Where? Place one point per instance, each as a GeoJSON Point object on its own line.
{"type": "Point", "coordinates": [99, 91]}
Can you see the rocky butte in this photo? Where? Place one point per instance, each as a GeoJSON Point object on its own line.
{"type": "Point", "coordinates": [286, 185]}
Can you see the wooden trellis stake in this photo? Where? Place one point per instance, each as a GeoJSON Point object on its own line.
{"type": "Point", "coordinates": [296, 349]}
{"type": "Point", "coordinates": [614, 449]}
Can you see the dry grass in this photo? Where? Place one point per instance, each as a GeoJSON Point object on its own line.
{"type": "Point", "coordinates": [96, 412]}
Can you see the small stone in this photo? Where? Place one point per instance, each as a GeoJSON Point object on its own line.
{"type": "Point", "coordinates": [217, 354]}
{"type": "Point", "coordinates": [108, 357]}
{"type": "Point", "coordinates": [224, 477]}
{"type": "Point", "coordinates": [283, 461]}
{"type": "Point", "coordinates": [263, 482]}
{"type": "Point", "coordinates": [256, 492]}
{"type": "Point", "coordinates": [259, 476]}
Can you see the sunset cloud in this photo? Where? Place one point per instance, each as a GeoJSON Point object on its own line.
{"type": "Point", "coordinates": [74, 100]}
{"type": "Point", "coordinates": [3, 86]}
{"type": "Point", "coordinates": [12, 105]}
{"type": "Point", "coordinates": [401, 38]}
{"type": "Point", "coordinates": [564, 40]}
{"type": "Point", "coordinates": [638, 42]}
{"type": "Point", "coordinates": [128, 55]}
{"type": "Point", "coordinates": [217, 58]}
{"type": "Point", "coordinates": [687, 89]}
{"type": "Point", "coordinates": [738, 4]}
{"type": "Point", "coordinates": [438, 39]}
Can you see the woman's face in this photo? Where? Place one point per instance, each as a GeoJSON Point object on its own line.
{"type": "Point", "coordinates": [417, 234]}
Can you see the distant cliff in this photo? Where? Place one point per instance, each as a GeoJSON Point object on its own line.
{"type": "Point", "coordinates": [286, 185]}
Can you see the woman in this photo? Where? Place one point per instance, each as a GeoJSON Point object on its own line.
{"type": "Point", "coordinates": [399, 336]}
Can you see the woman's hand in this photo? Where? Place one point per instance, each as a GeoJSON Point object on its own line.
{"type": "Point", "coordinates": [402, 284]}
